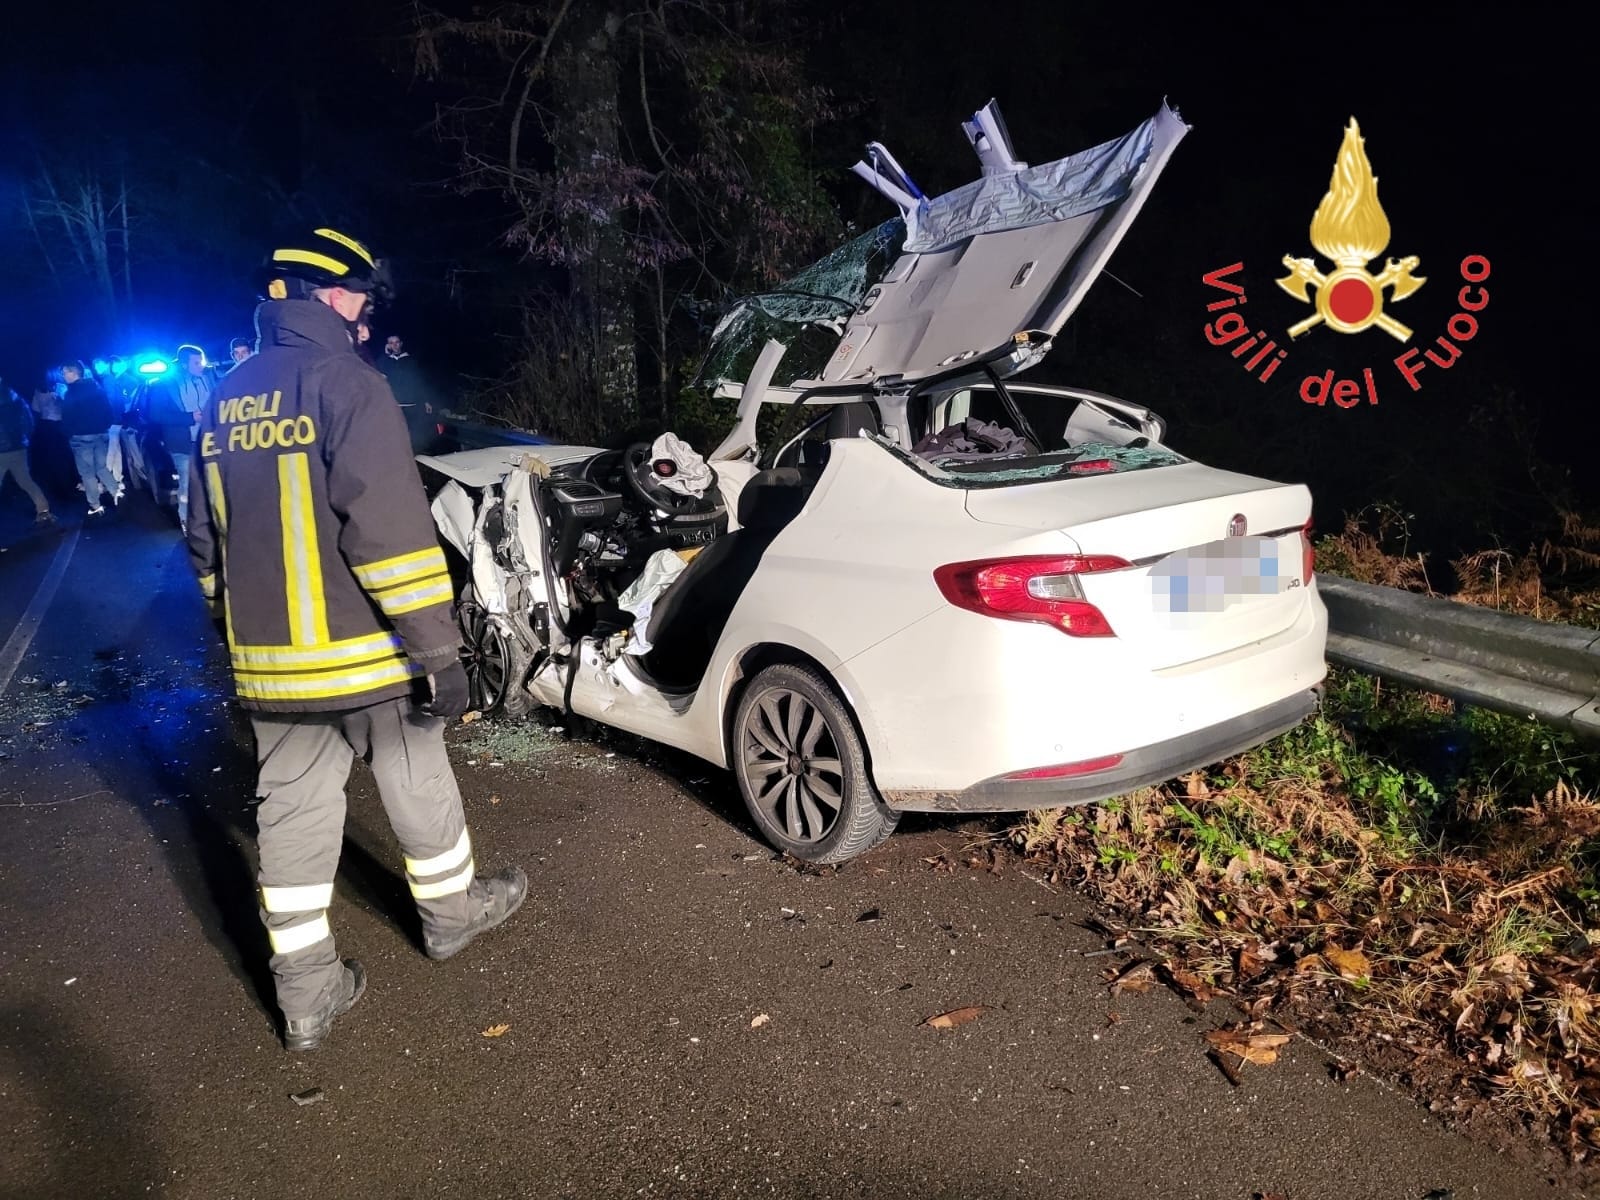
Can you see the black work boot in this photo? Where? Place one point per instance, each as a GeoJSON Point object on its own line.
{"type": "Point", "coordinates": [494, 898]}
{"type": "Point", "coordinates": [306, 1033]}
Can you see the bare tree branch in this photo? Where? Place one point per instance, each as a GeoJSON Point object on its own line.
{"type": "Point", "coordinates": [534, 72]}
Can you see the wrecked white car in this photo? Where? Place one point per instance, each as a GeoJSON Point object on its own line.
{"type": "Point", "coordinates": [936, 588]}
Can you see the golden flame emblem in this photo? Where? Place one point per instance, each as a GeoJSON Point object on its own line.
{"type": "Point", "coordinates": [1351, 229]}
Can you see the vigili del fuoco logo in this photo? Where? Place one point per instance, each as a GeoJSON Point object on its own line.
{"type": "Point", "coordinates": [1350, 230]}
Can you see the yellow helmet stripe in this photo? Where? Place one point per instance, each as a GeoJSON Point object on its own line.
{"type": "Point", "coordinates": [312, 259]}
{"type": "Point", "coordinates": [349, 244]}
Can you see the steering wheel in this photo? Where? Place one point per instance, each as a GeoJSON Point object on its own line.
{"type": "Point", "coordinates": [639, 469]}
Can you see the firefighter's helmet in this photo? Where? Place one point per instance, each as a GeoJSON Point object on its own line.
{"type": "Point", "coordinates": [327, 258]}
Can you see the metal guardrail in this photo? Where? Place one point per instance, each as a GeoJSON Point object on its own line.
{"type": "Point", "coordinates": [1493, 660]}
{"type": "Point", "coordinates": [468, 435]}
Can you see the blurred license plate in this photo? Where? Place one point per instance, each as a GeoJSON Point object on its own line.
{"type": "Point", "coordinates": [1218, 575]}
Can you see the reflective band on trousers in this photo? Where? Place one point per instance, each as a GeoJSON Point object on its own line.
{"type": "Point", "coordinates": [445, 887]}
{"type": "Point", "coordinates": [448, 861]}
{"type": "Point", "coordinates": [299, 937]}
{"type": "Point", "coordinates": [310, 897]}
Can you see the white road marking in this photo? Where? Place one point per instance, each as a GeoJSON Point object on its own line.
{"type": "Point", "coordinates": [22, 636]}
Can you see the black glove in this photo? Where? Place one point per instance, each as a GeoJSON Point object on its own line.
{"type": "Point", "coordinates": [451, 694]}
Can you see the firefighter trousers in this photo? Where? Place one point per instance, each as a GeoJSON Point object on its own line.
{"type": "Point", "coordinates": [304, 762]}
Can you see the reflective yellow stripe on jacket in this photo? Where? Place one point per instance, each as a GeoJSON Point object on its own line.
{"type": "Point", "coordinates": [407, 582]}
{"type": "Point", "coordinates": [321, 672]}
{"type": "Point", "coordinates": [302, 557]}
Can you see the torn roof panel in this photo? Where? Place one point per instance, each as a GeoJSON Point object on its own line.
{"type": "Point", "coordinates": [1012, 252]}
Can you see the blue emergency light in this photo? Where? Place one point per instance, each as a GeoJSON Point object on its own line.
{"type": "Point", "coordinates": [154, 367]}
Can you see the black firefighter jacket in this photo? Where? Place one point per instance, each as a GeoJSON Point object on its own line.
{"type": "Point", "coordinates": [309, 528]}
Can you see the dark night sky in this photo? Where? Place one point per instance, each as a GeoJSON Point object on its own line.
{"type": "Point", "coordinates": [1473, 129]}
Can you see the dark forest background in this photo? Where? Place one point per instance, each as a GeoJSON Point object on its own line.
{"type": "Point", "coordinates": [572, 191]}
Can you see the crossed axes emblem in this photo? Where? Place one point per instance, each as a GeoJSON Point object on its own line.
{"type": "Point", "coordinates": [1396, 274]}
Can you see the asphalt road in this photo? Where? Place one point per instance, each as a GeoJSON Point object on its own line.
{"type": "Point", "coordinates": [139, 1054]}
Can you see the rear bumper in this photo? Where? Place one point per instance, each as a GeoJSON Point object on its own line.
{"type": "Point", "coordinates": [1149, 764]}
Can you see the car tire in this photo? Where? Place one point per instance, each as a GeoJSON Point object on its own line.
{"type": "Point", "coordinates": [496, 662]}
{"type": "Point", "coordinates": [818, 806]}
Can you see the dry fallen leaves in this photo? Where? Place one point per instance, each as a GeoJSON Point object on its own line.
{"type": "Point", "coordinates": [496, 1031]}
{"type": "Point", "coordinates": [1193, 988]}
{"type": "Point", "coordinates": [760, 1019]}
{"type": "Point", "coordinates": [1260, 1048]}
{"type": "Point", "coordinates": [1135, 978]}
{"type": "Point", "coordinates": [1352, 964]}
{"type": "Point", "coordinates": [467, 718]}
{"type": "Point", "coordinates": [956, 1016]}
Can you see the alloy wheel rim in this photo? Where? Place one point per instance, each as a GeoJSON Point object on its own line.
{"type": "Point", "coordinates": [484, 656]}
{"type": "Point", "coordinates": [792, 765]}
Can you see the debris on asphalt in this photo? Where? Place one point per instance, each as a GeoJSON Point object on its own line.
{"type": "Point", "coordinates": [759, 1020]}
{"type": "Point", "coordinates": [956, 1016]}
{"type": "Point", "coordinates": [872, 914]}
{"type": "Point", "coordinates": [309, 1096]}
{"type": "Point", "coordinates": [1135, 977]}
{"type": "Point", "coordinates": [1194, 990]}
{"type": "Point", "coordinates": [467, 718]}
{"type": "Point", "coordinates": [1233, 1046]}
{"type": "Point", "coordinates": [495, 1031]}
{"type": "Point", "coordinates": [70, 982]}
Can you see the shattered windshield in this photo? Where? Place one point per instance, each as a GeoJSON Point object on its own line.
{"type": "Point", "coordinates": [1086, 458]}
{"type": "Point", "coordinates": [807, 313]}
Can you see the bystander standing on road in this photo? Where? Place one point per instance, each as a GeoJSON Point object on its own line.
{"type": "Point", "coordinates": [126, 391]}
{"type": "Point", "coordinates": [239, 350]}
{"type": "Point", "coordinates": [173, 409]}
{"type": "Point", "coordinates": [411, 393]}
{"type": "Point", "coordinates": [86, 420]}
{"type": "Point", "coordinates": [49, 452]}
{"type": "Point", "coordinates": [16, 423]}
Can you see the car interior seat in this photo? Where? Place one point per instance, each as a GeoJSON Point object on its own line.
{"type": "Point", "coordinates": [848, 420]}
{"type": "Point", "coordinates": [690, 616]}
{"type": "Point", "coordinates": [844, 421]}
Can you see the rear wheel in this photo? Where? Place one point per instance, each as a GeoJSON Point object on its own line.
{"type": "Point", "coordinates": [802, 768]}
{"type": "Point", "coordinates": [496, 663]}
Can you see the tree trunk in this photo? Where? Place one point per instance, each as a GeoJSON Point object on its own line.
{"type": "Point", "coordinates": [127, 246]}
{"type": "Point", "coordinates": [589, 141]}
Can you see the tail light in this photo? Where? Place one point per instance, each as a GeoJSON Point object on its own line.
{"type": "Point", "coordinates": [1308, 560]}
{"type": "Point", "coordinates": [1087, 766]}
{"type": "Point", "coordinates": [1041, 588]}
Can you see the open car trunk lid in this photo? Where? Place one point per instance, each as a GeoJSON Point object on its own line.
{"type": "Point", "coordinates": [1013, 252]}
{"type": "Point", "coordinates": [1197, 588]}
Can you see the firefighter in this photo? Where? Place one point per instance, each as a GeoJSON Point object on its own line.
{"type": "Point", "coordinates": [313, 543]}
